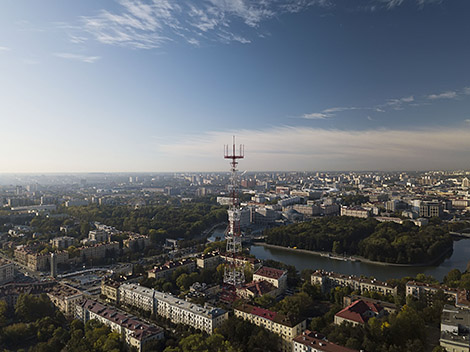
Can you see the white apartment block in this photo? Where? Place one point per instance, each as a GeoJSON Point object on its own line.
{"type": "Point", "coordinates": [176, 309]}
{"type": "Point", "coordinates": [329, 280]}
{"type": "Point", "coordinates": [137, 296]}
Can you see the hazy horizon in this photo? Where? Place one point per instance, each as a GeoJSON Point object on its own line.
{"type": "Point", "coordinates": [149, 85]}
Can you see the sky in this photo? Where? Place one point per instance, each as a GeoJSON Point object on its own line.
{"type": "Point", "coordinates": [162, 85]}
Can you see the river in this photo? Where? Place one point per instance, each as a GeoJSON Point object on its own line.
{"type": "Point", "coordinates": [457, 260]}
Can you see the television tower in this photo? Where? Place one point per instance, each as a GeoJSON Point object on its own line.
{"type": "Point", "coordinates": [234, 274]}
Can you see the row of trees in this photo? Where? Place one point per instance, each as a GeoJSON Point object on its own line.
{"type": "Point", "coordinates": [159, 221]}
{"type": "Point", "coordinates": [386, 242]}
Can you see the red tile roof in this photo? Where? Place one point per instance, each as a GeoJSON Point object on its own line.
{"type": "Point", "coordinates": [357, 310]}
{"type": "Point", "coordinates": [312, 339]}
{"type": "Point", "coordinates": [270, 272]}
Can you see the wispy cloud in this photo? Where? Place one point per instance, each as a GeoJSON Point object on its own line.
{"type": "Point", "coordinates": [78, 57]}
{"type": "Point", "coordinates": [390, 104]}
{"type": "Point", "coordinates": [444, 95]}
{"type": "Point", "coordinates": [391, 4]}
{"type": "Point", "coordinates": [143, 24]}
{"type": "Point", "coordinates": [316, 116]}
{"type": "Point", "coordinates": [4, 48]}
{"type": "Point", "coordinates": [396, 104]}
{"type": "Point", "coordinates": [302, 148]}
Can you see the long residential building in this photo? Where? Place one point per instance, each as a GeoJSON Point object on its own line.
{"type": "Point", "coordinates": [310, 341]}
{"type": "Point", "coordinates": [178, 310]}
{"type": "Point", "coordinates": [420, 289]}
{"type": "Point", "coordinates": [328, 280]}
{"type": "Point", "coordinates": [136, 332]}
{"type": "Point", "coordinates": [356, 212]}
{"type": "Point", "coordinates": [137, 296]}
{"type": "Point", "coordinates": [278, 324]}
{"type": "Point", "coordinates": [167, 269]}
{"type": "Point", "coordinates": [35, 261]}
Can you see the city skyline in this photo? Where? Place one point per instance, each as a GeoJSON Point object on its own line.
{"type": "Point", "coordinates": [161, 86]}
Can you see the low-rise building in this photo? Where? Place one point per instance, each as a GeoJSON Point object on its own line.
{"type": "Point", "coordinates": [62, 242]}
{"type": "Point", "coordinates": [257, 289]}
{"type": "Point", "coordinates": [328, 280]}
{"type": "Point", "coordinates": [136, 241]}
{"type": "Point", "coordinates": [359, 312]}
{"type": "Point", "coordinates": [254, 263]}
{"type": "Point", "coordinates": [455, 329]}
{"type": "Point", "coordinates": [11, 291]}
{"type": "Point", "coordinates": [98, 251]}
{"type": "Point", "coordinates": [167, 269]}
{"type": "Point", "coordinates": [136, 332]}
{"type": "Point", "coordinates": [137, 296]}
{"type": "Point", "coordinates": [421, 289]}
{"type": "Point", "coordinates": [277, 277]}
{"type": "Point", "coordinates": [389, 307]}
{"type": "Point", "coordinates": [7, 271]}
{"type": "Point", "coordinates": [279, 324]}
{"type": "Point", "coordinates": [209, 260]}
{"type": "Point", "coordinates": [310, 341]}
{"type": "Point", "coordinates": [65, 298]}
{"type": "Point", "coordinates": [179, 311]}
{"type": "Point", "coordinates": [356, 212]}
{"type": "Point", "coordinates": [110, 289]}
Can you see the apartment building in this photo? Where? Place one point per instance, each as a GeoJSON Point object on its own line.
{"type": "Point", "coordinates": [209, 260]}
{"type": "Point", "coordinates": [62, 242]}
{"type": "Point", "coordinates": [180, 311]}
{"type": "Point", "coordinates": [278, 324]}
{"type": "Point", "coordinates": [420, 289]}
{"type": "Point", "coordinates": [65, 298]}
{"type": "Point", "coordinates": [136, 241]}
{"type": "Point", "coordinates": [176, 309]}
{"type": "Point", "coordinates": [356, 212]}
{"type": "Point", "coordinates": [430, 209]}
{"type": "Point", "coordinates": [110, 289]}
{"type": "Point", "coordinates": [137, 296]}
{"type": "Point", "coordinates": [167, 269]}
{"type": "Point", "coordinates": [98, 251]}
{"type": "Point", "coordinates": [328, 280]}
{"type": "Point", "coordinates": [455, 329]}
{"type": "Point", "coordinates": [7, 271]}
{"type": "Point", "coordinates": [11, 291]}
{"type": "Point", "coordinates": [136, 332]}
{"type": "Point", "coordinates": [310, 341]}
{"type": "Point", "coordinates": [254, 263]}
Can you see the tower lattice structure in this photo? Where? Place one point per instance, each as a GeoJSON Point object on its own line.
{"type": "Point", "coordinates": [234, 274]}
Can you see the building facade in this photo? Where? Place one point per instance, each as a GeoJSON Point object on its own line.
{"type": "Point", "coordinates": [277, 323]}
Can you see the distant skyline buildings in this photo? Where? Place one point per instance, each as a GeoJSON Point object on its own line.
{"type": "Point", "coordinates": [159, 86]}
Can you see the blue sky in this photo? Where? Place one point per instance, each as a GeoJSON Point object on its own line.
{"type": "Point", "coordinates": [161, 85]}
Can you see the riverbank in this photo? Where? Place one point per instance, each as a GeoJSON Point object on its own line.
{"type": "Point", "coordinates": [355, 257]}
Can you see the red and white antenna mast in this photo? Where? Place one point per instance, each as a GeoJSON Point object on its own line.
{"type": "Point", "coordinates": [234, 274]}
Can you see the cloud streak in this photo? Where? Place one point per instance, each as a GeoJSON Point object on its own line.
{"type": "Point", "coordinates": [390, 104]}
{"type": "Point", "coordinates": [77, 57]}
{"type": "Point", "coordinates": [444, 95]}
{"type": "Point", "coordinates": [303, 148]}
